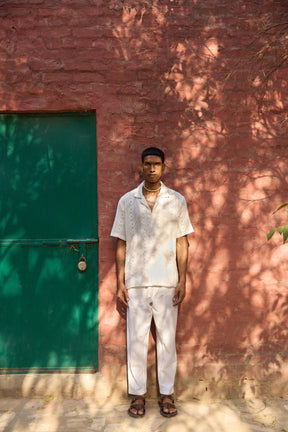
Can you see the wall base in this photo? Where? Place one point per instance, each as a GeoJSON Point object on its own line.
{"type": "Point", "coordinates": [96, 386]}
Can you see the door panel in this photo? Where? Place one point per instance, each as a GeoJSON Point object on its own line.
{"type": "Point", "coordinates": [48, 220]}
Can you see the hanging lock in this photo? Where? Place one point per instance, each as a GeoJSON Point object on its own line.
{"type": "Point", "coordinates": [82, 264]}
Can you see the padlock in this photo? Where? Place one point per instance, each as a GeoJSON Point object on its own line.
{"type": "Point", "coordinates": [82, 264]}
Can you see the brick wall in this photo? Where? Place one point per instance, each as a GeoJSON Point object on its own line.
{"type": "Point", "coordinates": [205, 81]}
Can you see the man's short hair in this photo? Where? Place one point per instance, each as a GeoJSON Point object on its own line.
{"type": "Point", "coordinates": [153, 151]}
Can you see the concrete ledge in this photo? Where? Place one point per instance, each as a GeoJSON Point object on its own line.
{"type": "Point", "coordinates": [99, 387]}
{"type": "Point", "coordinates": [75, 386]}
{"type": "Point", "coordinates": [244, 388]}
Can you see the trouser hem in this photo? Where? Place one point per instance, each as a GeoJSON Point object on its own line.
{"type": "Point", "coordinates": [166, 392]}
{"type": "Point", "coordinates": [137, 393]}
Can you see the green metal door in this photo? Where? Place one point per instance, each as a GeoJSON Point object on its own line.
{"type": "Point", "coordinates": [48, 222]}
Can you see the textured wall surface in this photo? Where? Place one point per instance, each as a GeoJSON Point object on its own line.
{"type": "Point", "coordinates": [207, 82]}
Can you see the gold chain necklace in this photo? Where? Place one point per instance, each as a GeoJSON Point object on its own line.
{"type": "Point", "coordinates": [151, 190]}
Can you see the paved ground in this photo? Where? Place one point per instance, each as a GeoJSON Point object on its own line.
{"type": "Point", "coordinates": [70, 415]}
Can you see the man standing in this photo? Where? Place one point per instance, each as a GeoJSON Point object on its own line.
{"type": "Point", "coordinates": [151, 226]}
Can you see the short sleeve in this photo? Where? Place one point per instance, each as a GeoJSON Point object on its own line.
{"type": "Point", "coordinates": [184, 225]}
{"type": "Point", "coordinates": [118, 229]}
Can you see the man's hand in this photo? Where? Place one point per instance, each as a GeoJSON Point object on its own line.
{"type": "Point", "coordinates": [180, 292]}
{"type": "Point", "coordinates": [122, 294]}
{"type": "Point", "coordinates": [182, 256]}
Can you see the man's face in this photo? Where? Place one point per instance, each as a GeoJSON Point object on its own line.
{"type": "Point", "coordinates": [152, 169]}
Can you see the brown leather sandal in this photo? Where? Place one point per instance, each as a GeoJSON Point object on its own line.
{"type": "Point", "coordinates": [167, 405]}
{"type": "Point", "coordinates": [138, 404]}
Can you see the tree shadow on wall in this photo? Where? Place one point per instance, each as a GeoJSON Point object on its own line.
{"type": "Point", "coordinates": [213, 88]}
{"type": "Point", "coordinates": [201, 83]}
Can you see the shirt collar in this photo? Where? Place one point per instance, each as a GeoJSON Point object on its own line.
{"type": "Point", "coordinates": [138, 193]}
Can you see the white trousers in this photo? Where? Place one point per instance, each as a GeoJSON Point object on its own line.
{"type": "Point", "coordinates": [145, 304]}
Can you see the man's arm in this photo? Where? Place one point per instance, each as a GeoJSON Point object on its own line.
{"type": "Point", "coordinates": [122, 293]}
{"type": "Point", "coordinates": [182, 258]}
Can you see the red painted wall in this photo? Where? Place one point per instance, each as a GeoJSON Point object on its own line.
{"type": "Point", "coordinates": [207, 82]}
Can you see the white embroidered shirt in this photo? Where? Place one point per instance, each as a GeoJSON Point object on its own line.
{"type": "Point", "coordinates": [151, 236]}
